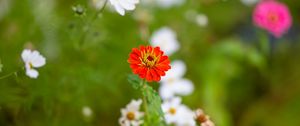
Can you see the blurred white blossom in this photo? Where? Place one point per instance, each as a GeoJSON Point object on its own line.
{"type": "Point", "coordinates": [5, 6]}
{"type": "Point", "coordinates": [87, 111]}
{"type": "Point", "coordinates": [249, 2]}
{"type": "Point", "coordinates": [165, 4]}
{"type": "Point", "coordinates": [169, 3]}
{"type": "Point", "coordinates": [131, 116]}
{"type": "Point", "coordinates": [166, 39]}
{"type": "Point", "coordinates": [1, 66]}
{"type": "Point", "coordinates": [32, 59]}
{"type": "Point", "coordinates": [173, 83]}
{"type": "Point", "coordinates": [201, 20]}
{"type": "Point", "coordinates": [98, 4]}
{"type": "Point", "coordinates": [122, 5]}
{"type": "Point", "coordinates": [177, 113]}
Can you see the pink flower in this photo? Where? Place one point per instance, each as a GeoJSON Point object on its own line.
{"type": "Point", "coordinates": [272, 16]}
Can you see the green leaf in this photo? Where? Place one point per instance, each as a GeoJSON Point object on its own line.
{"type": "Point", "coordinates": [135, 81]}
{"type": "Point", "coordinates": [154, 112]}
{"type": "Point", "coordinates": [1, 66]}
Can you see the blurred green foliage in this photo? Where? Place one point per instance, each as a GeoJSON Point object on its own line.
{"type": "Point", "coordinates": [238, 80]}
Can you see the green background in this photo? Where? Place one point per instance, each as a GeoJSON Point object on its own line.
{"type": "Point", "coordinates": [240, 79]}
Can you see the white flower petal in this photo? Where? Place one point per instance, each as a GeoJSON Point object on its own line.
{"type": "Point", "coordinates": [178, 69]}
{"type": "Point", "coordinates": [134, 105]}
{"type": "Point", "coordinates": [166, 39]}
{"type": "Point", "coordinates": [113, 2]}
{"type": "Point", "coordinates": [183, 87]}
{"type": "Point", "coordinates": [126, 5]}
{"type": "Point", "coordinates": [249, 2]}
{"type": "Point", "coordinates": [201, 20]}
{"type": "Point", "coordinates": [124, 112]}
{"type": "Point", "coordinates": [33, 58]}
{"type": "Point", "coordinates": [27, 65]}
{"type": "Point", "coordinates": [38, 61]}
{"type": "Point", "coordinates": [171, 119]}
{"type": "Point", "coordinates": [176, 101]}
{"type": "Point", "coordinates": [26, 55]}
{"type": "Point", "coordinates": [120, 9]}
{"type": "Point", "coordinates": [124, 122]}
{"type": "Point", "coordinates": [87, 111]}
{"type": "Point", "coordinates": [122, 5]}
{"type": "Point", "coordinates": [32, 73]}
{"type": "Point", "coordinates": [133, 1]}
{"type": "Point", "coordinates": [138, 114]}
{"type": "Point", "coordinates": [183, 116]}
{"type": "Point", "coordinates": [165, 106]}
{"type": "Point", "coordinates": [186, 116]}
{"type": "Point", "coordinates": [166, 91]}
{"type": "Point", "coordinates": [169, 3]}
{"type": "Point", "coordinates": [136, 123]}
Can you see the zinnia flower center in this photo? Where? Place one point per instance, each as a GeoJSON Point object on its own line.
{"type": "Point", "coordinates": [273, 18]}
{"type": "Point", "coordinates": [149, 63]}
{"type": "Point", "coordinates": [172, 111]}
{"type": "Point", "coordinates": [149, 59]}
{"type": "Point", "coordinates": [201, 118]}
{"type": "Point", "coordinates": [130, 116]}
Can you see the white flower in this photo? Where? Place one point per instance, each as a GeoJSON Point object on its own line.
{"type": "Point", "coordinates": [169, 3]}
{"type": "Point", "coordinates": [203, 119]}
{"type": "Point", "coordinates": [5, 6]}
{"type": "Point", "coordinates": [32, 59]}
{"type": "Point", "coordinates": [201, 20]}
{"type": "Point", "coordinates": [148, 3]}
{"type": "Point", "coordinates": [173, 83]}
{"type": "Point", "coordinates": [122, 5]}
{"type": "Point", "coordinates": [177, 114]}
{"type": "Point", "coordinates": [87, 111]}
{"type": "Point", "coordinates": [186, 117]}
{"type": "Point", "coordinates": [249, 2]}
{"type": "Point", "coordinates": [98, 4]}
{"type": "Point", "coordinates": [131, 116]}
{"type": "Point", "coordinates": [166, 39]}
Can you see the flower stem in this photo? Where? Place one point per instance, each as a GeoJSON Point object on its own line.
{"type": "Point", "coordinates": [8, 75]}
{"type": "Point", "coordinates": [145, 93]}
{"type": "Point", "coordinates": [81, 42]}
{"type": "Point", "coordinates": [12, 73]}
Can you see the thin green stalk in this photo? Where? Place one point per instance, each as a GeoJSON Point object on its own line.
{"type": "Point", "coordinates": [81, 42]}
{"type": "Point", "coordinates": [144, 93]}
{"type": "Point", "coordinates": [8, 75]}
{"type": "Point", "coordinates": [12, 73]}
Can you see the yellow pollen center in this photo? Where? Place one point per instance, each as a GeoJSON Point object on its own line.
{"type": "Point", "coordinates": [172, 111]}
{"type": "Point", "coordinates": [130, 116]}
{"type": "Point", "coordinates": [30, 65]}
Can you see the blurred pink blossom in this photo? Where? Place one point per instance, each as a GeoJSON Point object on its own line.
{"type": "Point", "coordinates": [272, 16]}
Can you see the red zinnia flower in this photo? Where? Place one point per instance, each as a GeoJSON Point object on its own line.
{"type": "Point", "coordinates": [149, 63]}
